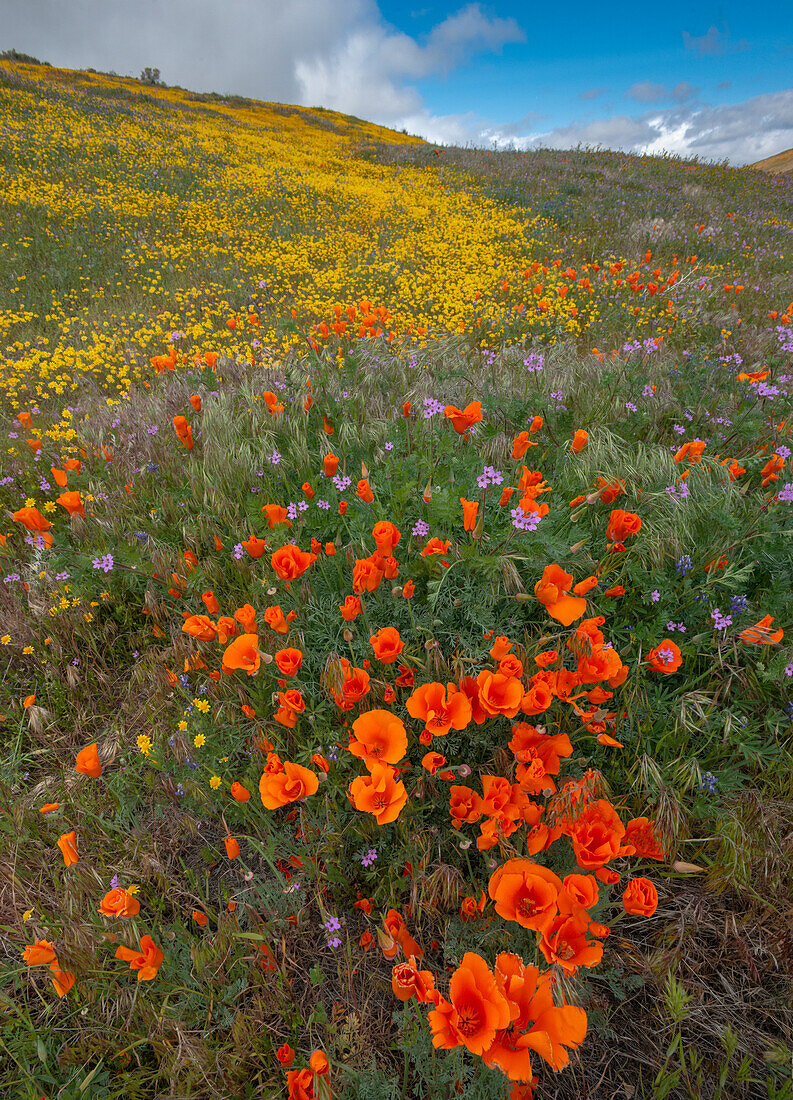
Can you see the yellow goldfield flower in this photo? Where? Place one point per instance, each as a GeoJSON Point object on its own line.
{"type": "Point", "coordinates": [28, 649]}
{"type": "Point", "coordinates": [215, 782]}
{"type": "Point", "coordinates": [199, 740]}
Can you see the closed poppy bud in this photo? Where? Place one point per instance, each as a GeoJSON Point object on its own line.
{"type": "Point", "coordinates": [580, 440]}
{"type": "Point", "coordinates": [218, 544]}
{"type": "Point", "coordinates": [618, 590]}
{"type": "Point", "coordinates": [87, 761]}
{"type": "Point", "coordinates": [200, 918]}
{"type": "Point", "coordinates": [406, 409]}
{"type": "Point", "coordinates": [640, 898]}
{"type": "Point", "coordinates": [425, 737]}
{"type": "Point", "coordinates": [584, 586]}
{"type": "Point", "coordinates": [49, 807]}
{"type": "Point", "coordinates": [232, 847]}
{"type": "Point", "coordinates": [536, 424]}
{"type": "Point", "coordinates": [342, 507]}
{"type": "Point", "coordinates": [315, 546]}
{"type": "Point", "coordinates": [195, 401]}
{"type": "Point", "coordinates": [308, 491]}
{"type": "Point", "coordinates": [330, 464]}
{"type": "Point", "coordinates": [28, 701]}
{"type": "Point", "coordinates": [309, 401]}
{"type": "Point", "coordinates": [232, 905]}
{"type": "Point", "coordinates": [319, 761]}
{"type": "Point", "coordinates": [68, 847]}
{"type": "Point", "coordinates": [210, 603]}
{"type": "Point", "coordinates": [327, 426]}
{"type": "Point", "coordinates": [61, 477]}
{"type": "Point", "coordinates": [319, 1063]}
{"type": "Point", "coordinates": [330, 549]}
{"type": "Point", "coordinates": [408, 589]}
{"type": "Point", "coordinates": [285, 1055]}
{"type": "Point", "coordinates": [506, 493]}
{"type": "Point", "coordinates": [366, 941]}
{"type": "Point", "coordinates": [239, 793]}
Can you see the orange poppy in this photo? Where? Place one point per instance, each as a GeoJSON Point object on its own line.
{"type": "Point", "coordinates": [364, 491]}
{"type": "Point", "coordinates": [436, 546]}
{"type": "Point", "coordinates": [290, 562]}
{"type": "Point", "coordinates": [243, 653]}
{"type": "Point", "coordinates": [274, 617]}
{"type": "Point", "coordinates": [146, 961]}
{"type": "Point", "coordinates": [622, 525]}
{"type": "Point", "coordinates": [761, 633]}
{"type": "Point", "coordinates": [378, 737]}
{"type": "Point", "coordinates": [465, 805]}
{"type": "Point", "coordinates": [463, 419]}
{"type": "Point", "coordinates": [692, 451]}
{"type": "Point", "coordinates": [640, 832]}
{"type": "Point", "coordinates": [87, 761]}
{"type": "Point", "coordinates": [499, 694]}
{"type": "Point", "coordinates": [564, 942]}
{"type": "Point", "coordinates": [408, 981]}
{"type": "Point", "coordinates": [387, 644]}
{"type": "Point", "coordinates": [210, 603]}
{"type": "Point", "coordinates": [355, 684]}
{"type": "Point", "coordinates": [596, 835]}
{"type": "Point", "coordinates": [39, 953]}
{"type": "Point", "coordinates": [201, 627]}
{"type": "Point", "coordinates": [665, 657]}
{"type": "Point", "coordinates": [119, 903]}
{"type": "Point", "coordinates": [525, 892]}
{"type": "Point", "coordinates": [386, 537]}
{"type": "Point", "coordinates": [62, 980]}
{"type": "Point", "coordinates": [246, 617]}
{"type": "Point", "coordinates": [552, 591]}
{"type": "Point", "coordinates": [470, 509]}
{"type": "Point", "coordinates": [319, 1062]}
{"type": "Point", "coordinates": [475, 1012]}
{"type": "Point", "coordinates": [195, 401]}
{"type": "Point", "coordinates": [580, 440]}
{"type": "Point", "coordinates": [536, 424]}
{"type": "Point", "coordinates": [232, 847]}
{"type": "Point", "coordinates": [285, 1055]}
{"type": "Point", "coordinates": [183, 432]}
{"type": "Point", "coordinates": [238, 792]}
{"type": "Point", "coordinates": [49, 807]}
{"type": "Point", "coordinates": [351, 608]}
{"type": "Point", "coordinates": [521, 444]}
{"type": "Point", "coordinates": [201, 919]}
{"type": "Point", "coordinates": [290, 784]}
{"type": "Point", "coordinates": [68, 846]}
{"type": "Point", "coordinates": [300, 1083]}
{"type": "Point", "coordinates": [275, 514]}
{"type": "Point", "coordinates": [441, 709]}
{"type": "Point", "coordinates": [255, 546]}
{"type": "Point", "coordinates": [32, 518]}
{"type": "Point", "coordinates": [379, 793]}
{"type": "Point", "coordinates": [72, 502]}
{"type": "Point", "coordinates": [289, 661]}
{"type": "Point", "coordinates": [640, 898]}
{"type": "Point", "coordinates": [395, 927]}
{"type": "Point", "coordinates": [367, 574]}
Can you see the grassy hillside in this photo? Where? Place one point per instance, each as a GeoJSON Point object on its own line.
{"type": "Point", "coordinates": [779, 164]}
{"type": "Point", "coordinates": [395, 633]}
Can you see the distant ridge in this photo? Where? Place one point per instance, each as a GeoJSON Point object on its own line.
{"type": "Point", "coordinates": [779, 165]}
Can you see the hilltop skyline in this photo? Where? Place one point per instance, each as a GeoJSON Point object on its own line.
{"type": "Point", "coordinates": [713, 80]}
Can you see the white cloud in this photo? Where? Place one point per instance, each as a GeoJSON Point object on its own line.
{"type": "Point", "coordinates": [339, 54]}
{"type": "Point", "coordinates": [740, 133]}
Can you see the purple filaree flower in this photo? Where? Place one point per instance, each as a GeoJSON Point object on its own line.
{"type": "Point", "coordinates": [105, 564]}
{"type": "Point", "coordinates": [420, 528]}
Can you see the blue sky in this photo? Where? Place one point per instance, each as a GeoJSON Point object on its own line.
{"type": "Point", "coordinates": [708, 79]}
{"type": "Point", "coordinates": [593, 62]}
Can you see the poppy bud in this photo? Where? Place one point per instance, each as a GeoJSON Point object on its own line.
{"type": "Point", "coordinates": [201, 919]}
{"type": "Point", "coordinates": [239, 793]}
{"type": "Point", "coordinates": [232, 847]}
